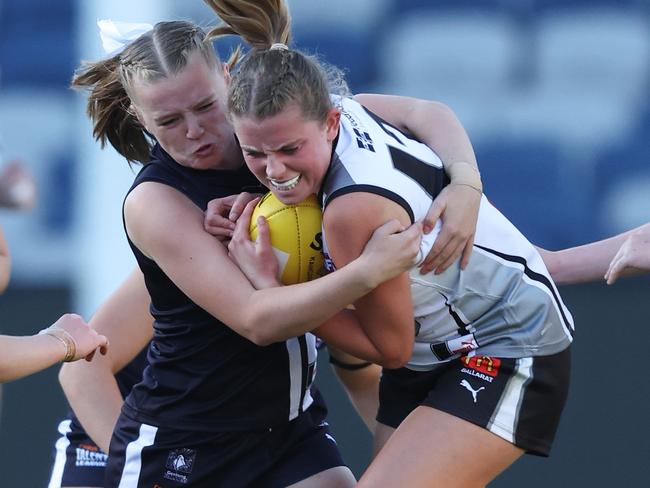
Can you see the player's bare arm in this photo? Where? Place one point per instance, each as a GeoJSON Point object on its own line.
{"type": "Point", "coordinates": [437, 126]}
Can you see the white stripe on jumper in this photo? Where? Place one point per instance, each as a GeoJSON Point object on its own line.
{"type": "Point", "coordinates": [133, 456]}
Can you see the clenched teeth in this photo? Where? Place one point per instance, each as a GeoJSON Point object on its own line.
{"type": "Point", "coordinates": [285, 185]}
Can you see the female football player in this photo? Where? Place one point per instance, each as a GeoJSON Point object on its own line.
{"type": "Point", "coordinates": [489, 365]}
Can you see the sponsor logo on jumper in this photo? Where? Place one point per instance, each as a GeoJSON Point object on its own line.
{"type": "Point", "coordinates": [89, 456]}
{"type": "Point", "coordinates": [179, 464]}
{"type": "Point", "coordinates": [468, 387]}
{"type": "Point", "coordinates": [317, 243]}
{"type": "Point", "coordinates": [364, 141]}
{"type": "Point", "coordinates": [418, 326]}
{"type": "Point", "coordinates": [483, 367]}
{"type": "Point", "coordinates": [462, 345]}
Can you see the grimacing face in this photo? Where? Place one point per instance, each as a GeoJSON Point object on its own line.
{"type": "Point", "coordinates": [287, 152]}
{"type": "Point", "coordinates": [187, 115]}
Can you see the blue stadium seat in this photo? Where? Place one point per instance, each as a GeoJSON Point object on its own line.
{"type": "Point", "coordinates": [402, 6]}
{"type": "Point", "coordinates": [526, 181]}
{"type": "Point", "coordinates": [541, 6]}
{"type": "Point", "coordinates": [342, 33]}
{"type": "Point", "coordinates": [621, 161]}
{"type": "Point", "coordinates": [464, 59]}
{"type": "Point", "coordinates": [622, 175]}
{"type": "Point", "coordinates": [353, 52]}
{"type": "Point", "coordinates": [37, 45]}
{"type": "Point", "coordinates": [591, 74]}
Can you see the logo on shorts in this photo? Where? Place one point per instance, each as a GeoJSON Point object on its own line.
{"type": "Point", "coordinates": [179, 464]}
{"type": "Point", "coordinates": [465, 384]}
{"type": "Point", "coordinates": [483, 367]}
{"type": "Point", "coordinates": [90, 456]}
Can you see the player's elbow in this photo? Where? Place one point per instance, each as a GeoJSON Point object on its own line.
{"type": "Point", "coordinates": [396, 355]}
{"type": "Point", "coordinates": [259, 332]}
{"type": "Point", "coordinates": [263, 328]}
{"type": "Point", "coordinates": [395, 361]}
{"type": "Point", "coordinates": [260, 338]}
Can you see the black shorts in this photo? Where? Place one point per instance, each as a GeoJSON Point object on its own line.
{"type": "Point", "coordinates": [77, 459]}
{"type": "Point", "coordinates": [520, 400]}
{"type": "Point", "coordinates": [143, 455]}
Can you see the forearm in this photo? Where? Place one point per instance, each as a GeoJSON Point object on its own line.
{"type": "Point", "coordinates": [437, 126]}
{"type": "Point", "coordinates": [584, 263]}
{"type": "Point", "coordinates": [91, 388]}
{"type": "Point", "coordinates": [309, 304]}
{"type": "Point", "coordinates": [22, 356]}
{"type": "Point", "coordinates": [94, 397]}
{"type": "Point", "coordinates": [344, 332]}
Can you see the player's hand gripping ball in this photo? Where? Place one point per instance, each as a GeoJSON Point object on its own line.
{"type": "Point", "coordinates": [296, 232]}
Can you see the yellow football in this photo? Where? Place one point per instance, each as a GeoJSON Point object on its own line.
{"type": "Point", "coordinates": [296, 236]}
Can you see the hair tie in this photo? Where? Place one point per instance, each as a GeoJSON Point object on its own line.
{"type": "Point", "coordinates": [279, 45]}
{"type": "Point", "coordinates": [117, 35]}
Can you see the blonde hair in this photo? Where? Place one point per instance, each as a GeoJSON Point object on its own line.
{"type": "Point", "coordinates": [270, 77]}
{"type": "Point", "coordinates": [157, 54]}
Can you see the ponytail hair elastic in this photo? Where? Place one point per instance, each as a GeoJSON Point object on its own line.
{"type": "Point", "coordinates": [117, 35]}
{"type": "Point", "coordinates": [279, 45]}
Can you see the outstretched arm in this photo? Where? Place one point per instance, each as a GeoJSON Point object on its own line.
{"type": "Point", "coordinates": [633, 257]}
{"type": "Point", "coordinates": [91, 388]}
{"type": "Point", "coordinates": [68, 339]}
{"type": "Point", "coordinates": [457, 205]}
{"type": "Point", "coordinates": [622, 255]}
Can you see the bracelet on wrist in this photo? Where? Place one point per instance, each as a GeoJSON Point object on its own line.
{"type": "Point", "coordinates": [64, 337]}
{"type": "Point", "coordinates": [478, 188]}
{"type": "Point", "coordinates": [465, 173]}
{"type": "Point", "coordinates": [455, 164]}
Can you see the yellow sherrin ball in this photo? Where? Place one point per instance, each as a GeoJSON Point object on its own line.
{"type": "Point", "coordinates": [295, 236]}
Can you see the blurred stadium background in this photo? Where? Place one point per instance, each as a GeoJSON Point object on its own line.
{"type": "Point", "coordinates": [554, 95]}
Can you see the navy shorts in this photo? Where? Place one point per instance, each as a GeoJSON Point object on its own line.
{"type": "Point", "coordinates": [520, 400]}
{"type": "Point", "coordinates": [77, 459]}
{"type": "Point", "coordinates": [143, 455]}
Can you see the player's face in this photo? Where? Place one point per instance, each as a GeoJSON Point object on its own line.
{"type": "Point", "coordinates": [186, 114]}
{"type": "Point", "coordinates": [287, 152]}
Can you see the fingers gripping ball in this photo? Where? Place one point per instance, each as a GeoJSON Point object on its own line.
{"type": "Point", "coordinates": [295, 236]}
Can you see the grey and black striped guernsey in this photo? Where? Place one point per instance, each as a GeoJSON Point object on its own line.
{"type": "Point", "coordinates": [203, 376]}
{"type": "Point", "coordinates": [503, 304]}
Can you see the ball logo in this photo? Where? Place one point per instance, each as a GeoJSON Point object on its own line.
{"type": "Point", "coordinates": [317, 243]}
{"type": "Point", "coordinates": [296, 236]}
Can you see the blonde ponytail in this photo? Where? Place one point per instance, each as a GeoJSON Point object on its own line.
{"type": "Point", "coordinates": [272, 76]}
